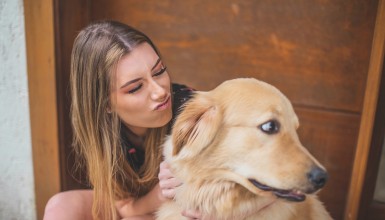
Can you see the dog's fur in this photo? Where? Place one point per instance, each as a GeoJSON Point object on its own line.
{"type": "Point", "coordinates": [218, 145]}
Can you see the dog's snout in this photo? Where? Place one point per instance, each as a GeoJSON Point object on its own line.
{"type": "Point", "coordinates": [317, 177]}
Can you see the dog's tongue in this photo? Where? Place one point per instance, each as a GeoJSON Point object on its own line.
{"type": "Point", "coordinates": [290, 195]}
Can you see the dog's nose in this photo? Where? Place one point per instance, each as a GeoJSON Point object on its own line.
{"type": "Point", "coordinates": [317, 177]}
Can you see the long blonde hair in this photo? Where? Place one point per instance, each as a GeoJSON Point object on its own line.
{"type": "Point", "coordinates": [97, 133]}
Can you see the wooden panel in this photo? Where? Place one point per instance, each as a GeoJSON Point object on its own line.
{"type": "Point", "coordinates": [42, 99]}
{"type": "Point", "coordinates": [321, 47]}
{"type": "Point", "coordinates": [331, 138]}
{"type": "Point", "coordinates": [368, 116]}
{"type": "Point", "coordinates": [70, 17]}
{"type": "Point", "coordinates": [367, 205]}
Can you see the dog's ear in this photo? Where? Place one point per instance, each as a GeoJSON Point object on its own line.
{"type": "Point", "coordinates": [196, 126]}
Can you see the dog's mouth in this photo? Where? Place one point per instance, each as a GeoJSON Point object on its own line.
{"type": "Point", "coordinates": [291, 195]}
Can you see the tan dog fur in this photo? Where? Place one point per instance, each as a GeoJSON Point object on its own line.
{"type": "Point", "coordinates": [217, 145]}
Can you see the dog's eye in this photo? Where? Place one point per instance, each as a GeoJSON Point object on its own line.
{"type": "Point", "coordinates": [270, 127]}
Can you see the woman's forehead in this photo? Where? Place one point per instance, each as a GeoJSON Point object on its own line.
{"type": "Point", "coordinates": [136, 64]}
{"type": "Point", "coordinates": [141, 58]}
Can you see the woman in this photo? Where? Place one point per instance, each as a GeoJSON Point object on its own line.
{"type": "Point", "coordinates": [122, 106]}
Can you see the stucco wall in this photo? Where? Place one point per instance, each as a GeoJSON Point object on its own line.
{"type": "Point", "coordinates": [17, 199]}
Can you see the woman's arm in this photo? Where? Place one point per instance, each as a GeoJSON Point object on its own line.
{"type": "Point", "coordinates": [144, 205]}
{"type": "Point", "coordinates": [150, 202]}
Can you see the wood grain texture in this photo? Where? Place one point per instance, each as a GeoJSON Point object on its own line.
{"type": "Point", "coordinates": [330, 137]}
{"type": "Point", "coordinates": [368, 112]}
{"type": "Point", "coordinates": [320, 47]}
{"type": "Point", "coordinates": [368, 207]}
{"type": "Point", "coordinates": [70, 17]}
{"type": "Point", "coordinates": [42, 99]}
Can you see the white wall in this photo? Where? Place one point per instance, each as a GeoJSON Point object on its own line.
{"type": "Point", "coordinates": [17, 198]}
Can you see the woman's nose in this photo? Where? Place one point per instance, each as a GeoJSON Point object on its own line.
{"type": "Point", "coordinates": [158, 93]}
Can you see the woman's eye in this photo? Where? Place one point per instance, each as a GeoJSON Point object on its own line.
{"type": "Point", "coordinates": [135, 89]}
{"type": "Point", "coordinates": [270, 127]}
{"type": "Point", "coordinates": [161, 71]}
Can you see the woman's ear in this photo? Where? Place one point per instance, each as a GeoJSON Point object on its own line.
{"type": "Point", "coordinates": [108, 107]}
{"type": "Point", "coordinates": [196, 126]}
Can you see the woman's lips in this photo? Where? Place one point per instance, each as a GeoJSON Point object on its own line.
{"type": "Point", "coordinates": [163, 105]}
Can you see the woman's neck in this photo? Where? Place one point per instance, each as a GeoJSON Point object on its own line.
{"type": "Point", "coordinates": [135, 137]}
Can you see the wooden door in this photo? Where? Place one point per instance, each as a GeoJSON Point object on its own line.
{"type": "Point", "coordinates": [316, 52]}
{"type": "Point", "coordinates": [369, 208]}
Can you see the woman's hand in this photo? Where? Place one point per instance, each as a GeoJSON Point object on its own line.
{"type": "Point", "coordinates": [167, 181]}
{"type": "Point", "coordinates": [143, 207]}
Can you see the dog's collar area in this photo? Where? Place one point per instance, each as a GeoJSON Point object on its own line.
{"type": "Point", "coordinates": [291, 195]}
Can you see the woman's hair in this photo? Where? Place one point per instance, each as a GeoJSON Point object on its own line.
{"type": "Point", "coordinates": [97, 131]}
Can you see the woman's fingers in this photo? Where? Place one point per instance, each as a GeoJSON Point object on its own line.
{"type": "Point", "coordinates": [164, 171]}
{"type": "Point", "coordinates": [191, 214]}
{"type": "Point", "coordinates": [168, 193]}
{"type": "Point", "coordinates": [168, 187]}
{"type": "Point", "coordinates": [169, 183]}
{"type": "Point", "coordinates": [166, 177]}
{"type": "Point", "coordinates": [165, 174]}
{"type": "Point", "coordinates": [164, 164]}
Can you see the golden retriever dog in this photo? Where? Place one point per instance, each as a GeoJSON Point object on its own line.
{"type": "Point", "coordinates": [237, 152]}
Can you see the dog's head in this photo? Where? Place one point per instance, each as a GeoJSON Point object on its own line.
{"type": "Point", "coordinates": [247, 129]}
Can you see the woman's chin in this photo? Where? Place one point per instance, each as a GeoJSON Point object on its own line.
{"type": "Point", "coordinates": [162, 120]}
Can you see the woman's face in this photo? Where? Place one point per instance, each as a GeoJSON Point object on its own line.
{"type": "Point", "coordinates": [141, 95]}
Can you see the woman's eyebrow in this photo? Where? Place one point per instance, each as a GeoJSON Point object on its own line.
{"type": "Point", "coordinates": [129, 82]}
{"type": "Point", "coordinates": [135, 80]}
{"type": "Point", "coordinates": [155, 64]}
